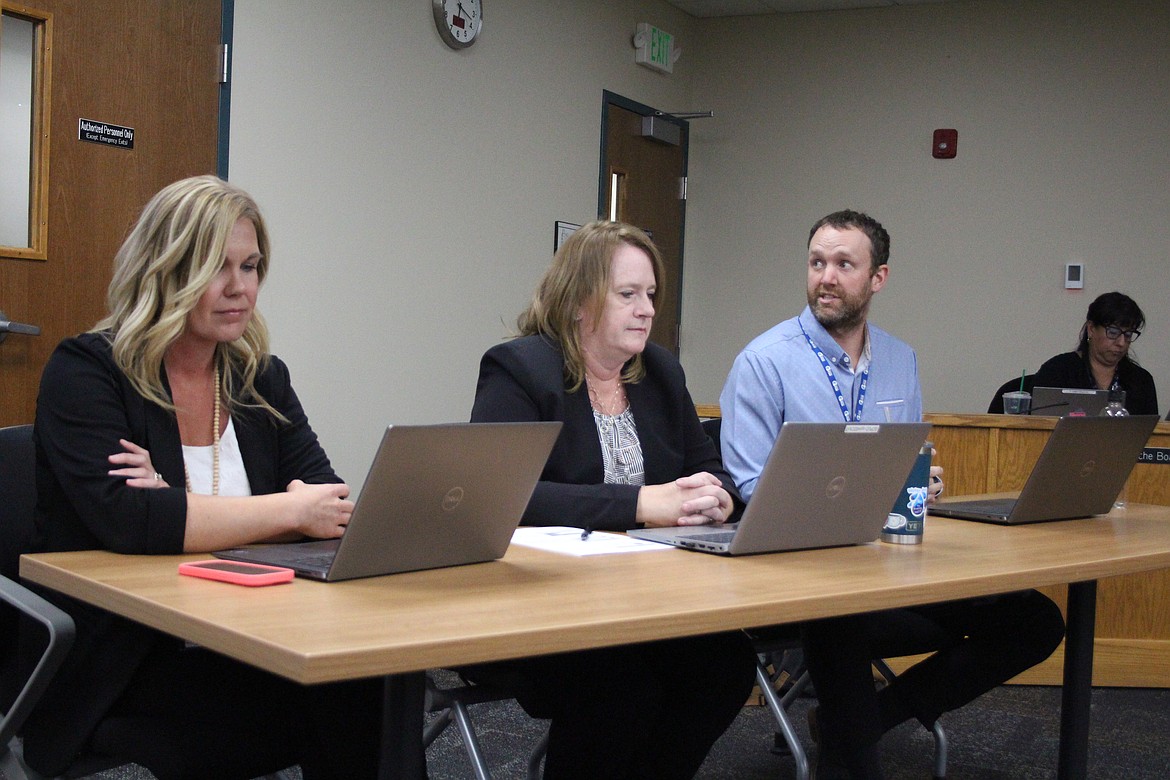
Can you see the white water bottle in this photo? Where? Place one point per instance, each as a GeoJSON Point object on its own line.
{"type": "Point", "coordinates": [1116, 408]}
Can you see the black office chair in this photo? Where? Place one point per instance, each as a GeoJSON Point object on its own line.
{"type": "Point", "coordinates": [996, 405]}
{"type": "Point", "coordinates": [20, 692]}
{"type": "Point", "coordinates": [16, 706]}
{"type": "Point", "coordinates": [17, 497]}
{"type": "Point", "coordinates": [782, 676]}
{"type": "Point", "coordinates": [23, 610]}
{"type": "Point", "coordinates": [450, 698]}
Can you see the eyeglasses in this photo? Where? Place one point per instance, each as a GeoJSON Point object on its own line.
{"type": "Point", "coordinates": [1112, 332]}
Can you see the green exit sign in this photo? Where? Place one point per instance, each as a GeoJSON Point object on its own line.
{"type": "Point", "coordinates": [654, 48]}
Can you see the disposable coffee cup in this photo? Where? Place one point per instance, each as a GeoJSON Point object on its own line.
{"type": "Point", "coordinates": [904, 524]}
{"type": "Point", "coordinates": [1017, 402]}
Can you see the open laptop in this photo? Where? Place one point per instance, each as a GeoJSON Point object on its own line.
{"type": "Point", "coordinates": [824, 485]}
{"type": "Point", "coordinates": [1082, 468]}
{"type": "Point", "coordinates": [436, 495]}
{"type": "Point", "coordinates": [1068, 402]}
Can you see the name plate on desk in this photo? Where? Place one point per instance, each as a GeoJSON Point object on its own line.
{"type": "Point", "coordinates": [1159, 455]}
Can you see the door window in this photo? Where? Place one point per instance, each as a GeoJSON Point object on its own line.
{"type": "Point", "coordinates": [24, 124]}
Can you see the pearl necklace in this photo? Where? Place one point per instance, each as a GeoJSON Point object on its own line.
{"type": "Point", "coordinates": [214, 442]}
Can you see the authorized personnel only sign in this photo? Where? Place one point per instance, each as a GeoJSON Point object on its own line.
{"type": "Point", "coordinates": [105, 133]}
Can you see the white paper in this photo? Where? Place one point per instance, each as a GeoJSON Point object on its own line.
{"type": "Point", "coordinates": [567, 541]}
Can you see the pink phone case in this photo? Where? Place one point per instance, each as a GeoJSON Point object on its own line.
{"type": "Point", "coordinates": [236, 572]}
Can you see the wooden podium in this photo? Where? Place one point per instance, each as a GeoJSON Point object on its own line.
{"type": "Point", "coordinates": [991, 453]}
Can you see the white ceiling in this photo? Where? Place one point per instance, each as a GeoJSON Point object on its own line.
{"type": "Point", "coordinates": [748, 7]}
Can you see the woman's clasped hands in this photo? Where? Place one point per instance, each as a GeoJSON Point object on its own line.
{"type": "Point", "coordinates": [694, 499]}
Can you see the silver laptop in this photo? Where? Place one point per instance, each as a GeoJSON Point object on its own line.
{"type": "Point", "coordinates": [436, 495]}
{"type": "Point", "coordinates": [1068, 402]}
{"type": "Point", "coordinates": [824, 485]}
{"type": "Point", "coordinates": [1082, 468]}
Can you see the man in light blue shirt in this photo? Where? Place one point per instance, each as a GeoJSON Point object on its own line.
{"type": "Point", "coordinates": [830, 365]}
{"type": "Point", "coordinates": [776, 378]}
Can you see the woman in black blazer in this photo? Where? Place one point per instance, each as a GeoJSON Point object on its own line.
{"type": "Point", "coordinates": [171, 429]}
{"type": "Point", "coordinates": [1101, 360]}
{"type": "Point", "coordinates": [631, 453]}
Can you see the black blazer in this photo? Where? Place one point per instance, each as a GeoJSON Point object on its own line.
{"type": "Point", "coordinates": [85, 405]}
{"type": "Point", "coordinates": [523, 380]}
{"type": "Point", "coordinates": [1071, 370]}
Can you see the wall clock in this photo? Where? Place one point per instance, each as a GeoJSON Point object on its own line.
{"type": "Point", "coordinates": [459, 21]}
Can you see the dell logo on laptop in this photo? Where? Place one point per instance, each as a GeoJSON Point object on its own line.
{"type": "Point", "coordinates": [453, 499]}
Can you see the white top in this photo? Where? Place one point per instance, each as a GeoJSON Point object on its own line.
{"type": "Point", "coordinates": [233, 479]}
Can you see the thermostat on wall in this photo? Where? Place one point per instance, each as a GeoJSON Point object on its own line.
{"type": "Point", "coordinates": [1074, 276]}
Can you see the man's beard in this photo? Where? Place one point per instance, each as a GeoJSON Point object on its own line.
{"type": "Point", "coordinates": [849, 313]}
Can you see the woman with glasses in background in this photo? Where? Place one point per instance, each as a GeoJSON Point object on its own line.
{"type": "Point", "coordinates": [1102, 360]}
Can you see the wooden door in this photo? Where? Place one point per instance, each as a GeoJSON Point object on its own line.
{"type": "Point", "coordinates": [151, 66]}
{"type": "Point", "coordinates": [649, 194]}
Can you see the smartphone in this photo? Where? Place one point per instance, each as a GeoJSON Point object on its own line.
{"type": "Point", "coordinates": [239, 573]}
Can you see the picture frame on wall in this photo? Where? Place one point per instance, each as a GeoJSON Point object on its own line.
{"type": "Point", "coordinates": [561, 233]}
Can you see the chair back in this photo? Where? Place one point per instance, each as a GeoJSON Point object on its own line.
{"type": "Point", "coordinates": [18, 496]}
{"type": "Point", "coordinates": [17, 499]}
{"type": "Point", "coordinates": [713, 426]}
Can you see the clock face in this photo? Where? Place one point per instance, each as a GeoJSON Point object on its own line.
{"type": "Point", "coordinates": [459, 21]}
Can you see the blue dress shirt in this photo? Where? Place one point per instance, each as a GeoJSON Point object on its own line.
{"type": "Point", "coordinates": [778, 378]}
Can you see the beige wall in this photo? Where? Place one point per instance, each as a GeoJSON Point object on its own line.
{"type": "Point", "coordinates": [1063, 113]}
{"type": "Point", "coordinates": [412, 190]}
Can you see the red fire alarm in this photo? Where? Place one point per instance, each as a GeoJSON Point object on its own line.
{"type": "Point", "coordinates": [946, 143]}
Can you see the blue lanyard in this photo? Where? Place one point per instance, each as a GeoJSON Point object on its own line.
{"type": "Point", "coordinates": [864, 379]}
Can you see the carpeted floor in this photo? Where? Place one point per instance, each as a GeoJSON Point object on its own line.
{"type": "Point", "coordinates": [1009, 734]}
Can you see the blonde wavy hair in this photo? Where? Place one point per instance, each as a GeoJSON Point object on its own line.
{"type": "Point", "coordinates": [580, 277]}
{"type": "Point", "coordinates": [164, 266]}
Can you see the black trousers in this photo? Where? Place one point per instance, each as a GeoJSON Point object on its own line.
{"type": "Point", "coordinates": [191, 713]}
{"type": "Point", "coordinates": [636, 711]}
{"type": "Point", "coordinates": [977, 644]}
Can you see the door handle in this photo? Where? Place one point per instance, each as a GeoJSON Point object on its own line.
{"type": "Point", "coordinates": [21, 328]}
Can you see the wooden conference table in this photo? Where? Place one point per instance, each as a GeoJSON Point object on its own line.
{"type": "Point", "coordinates": [987, 453]}
{"type": "Point", "coordinates": [533, 602]}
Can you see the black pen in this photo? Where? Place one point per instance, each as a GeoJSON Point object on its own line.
{"type": "Point", "coordinates": [585, 533]}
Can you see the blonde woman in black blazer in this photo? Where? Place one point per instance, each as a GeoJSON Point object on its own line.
{"type": "Point", "coordinates": [171, 429]}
